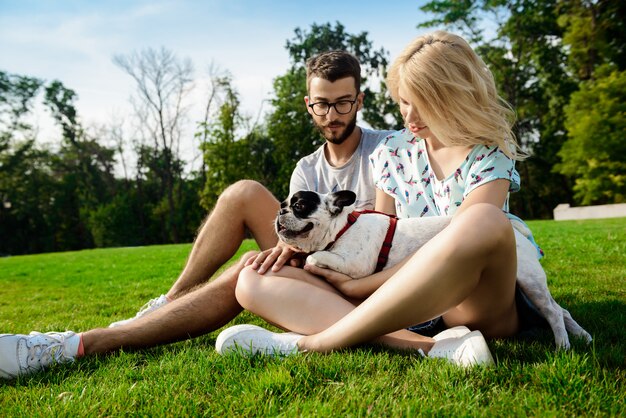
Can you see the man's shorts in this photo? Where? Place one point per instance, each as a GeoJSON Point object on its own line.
{"type": "Point", "coordinates": [529, 317]}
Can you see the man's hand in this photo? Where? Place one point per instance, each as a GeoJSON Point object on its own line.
{"type": "Point", "coordinates": [274, 257]}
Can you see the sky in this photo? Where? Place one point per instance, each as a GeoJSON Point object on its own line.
{"type": "Point", "coordinates": [74, 41]}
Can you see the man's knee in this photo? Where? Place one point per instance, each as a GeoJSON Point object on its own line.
{"type": "Point", "coordinates": [231, 276]}
{"type": "Point", "coordinates": [244, 192]}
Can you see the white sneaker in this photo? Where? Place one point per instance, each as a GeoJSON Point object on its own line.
{"type": "Point", "coordinates": [454, 332]}
{"type": "Point", "coordinates": [469, 350]}
{"type": "Point", "coordinates": [250, 339]}
{"type": "Point", "coordinates": [24, 354]}
{"type": "Point", "coordinates": [151, 306]}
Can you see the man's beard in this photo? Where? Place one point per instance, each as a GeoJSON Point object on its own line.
{"type": "Point", "coordinates": [349, 128]}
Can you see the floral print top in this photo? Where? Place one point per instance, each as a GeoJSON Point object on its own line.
{"type": "Point", "coordinates": [401, 169]}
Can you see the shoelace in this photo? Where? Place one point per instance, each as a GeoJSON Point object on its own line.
{"type": "Point", "coordinates": [151, 305]}
{"type": "Point", "coordinates": [43, 349]}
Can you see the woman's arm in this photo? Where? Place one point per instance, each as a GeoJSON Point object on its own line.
{"type": "Point", "coordinates": [385, 203]}
{"type": "Point", "coordinates": [355, 288]}
{"type": "Point", "coordinates": [493, 192]}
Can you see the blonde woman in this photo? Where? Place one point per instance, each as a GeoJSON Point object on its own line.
{"type": "Point", "coordinates": [456, 157]}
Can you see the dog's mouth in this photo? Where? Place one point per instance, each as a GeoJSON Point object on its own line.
{"type": "Point", "coordinates": [290, 233]}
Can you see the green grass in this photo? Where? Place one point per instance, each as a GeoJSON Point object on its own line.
{"type": "Point", "coordinates": [586, 267]}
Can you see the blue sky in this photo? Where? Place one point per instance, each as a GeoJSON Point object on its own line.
{"type": "Point", "coordinates": [74, 40]}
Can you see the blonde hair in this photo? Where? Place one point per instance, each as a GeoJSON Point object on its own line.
{"type": "Point", "coordinates": [454, 93]}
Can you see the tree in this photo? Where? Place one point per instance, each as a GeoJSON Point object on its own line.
{"type": "Point", "coordinates": [83, 169]}
{"type": "Point", "coordinates": [47, 197]}
{"type": "Point", "coordinates": [595, 153]}
{"type": "Point", "coordinates": [163, 82]}
{"type": "Point", "coordinates": [232, 150]}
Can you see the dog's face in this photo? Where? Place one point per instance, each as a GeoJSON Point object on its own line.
{"type": "Point", "coordinates": [309, 220]}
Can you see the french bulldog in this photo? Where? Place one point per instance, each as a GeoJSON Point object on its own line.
{"type": "Point", "coordinates": [311, 222]}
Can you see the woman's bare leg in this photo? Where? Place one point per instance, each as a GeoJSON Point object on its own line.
{"type": "Point", "coordinates": [295, 300]}
{"type": "Point", "coordinates": [466, 273]}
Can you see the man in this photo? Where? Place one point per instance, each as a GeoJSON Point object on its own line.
{"type": "Point", "coordinates": [333, 83]}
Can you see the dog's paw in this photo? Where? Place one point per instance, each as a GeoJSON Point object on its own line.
{"type": "Point", "coordinates": [315, 262]}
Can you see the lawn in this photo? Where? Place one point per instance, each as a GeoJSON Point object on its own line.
{"type": "Point", "coordinates": [586, 266]}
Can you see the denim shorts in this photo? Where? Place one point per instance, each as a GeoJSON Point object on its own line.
{"type": "Point", "coordinates": [429, 328]}
{"type": "Point", "coordinates": [529, 318]}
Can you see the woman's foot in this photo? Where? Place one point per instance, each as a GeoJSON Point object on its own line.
{"type": "Point", "coordinates": [250, 339]}
{"type": "Point", "coordinates": [467, 350]}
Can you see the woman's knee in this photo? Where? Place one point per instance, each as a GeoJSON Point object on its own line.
{"type": "Point", "coordinates": [488, 224]}
{"type": "Point", "coordinates": [248, 287]}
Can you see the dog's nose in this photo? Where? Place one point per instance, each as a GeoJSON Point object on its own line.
{"type": "Point", "coordinates": [282, 212]}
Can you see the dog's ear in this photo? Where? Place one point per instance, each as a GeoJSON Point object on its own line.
{"type": "Point", "coordinates": [340, 200]}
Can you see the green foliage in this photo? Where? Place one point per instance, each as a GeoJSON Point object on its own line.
{"type": "Point", "coordinates": [230, 154]}
{"type": "Point", "coordinates": [70, 199]}
{"type": "Point", "coordinates": [81, 290]}
{"type": "Point", "coordinates": [595, 154]}
{"type": "Point", "coordinates": [594, 32]}
{"type": "Point", "coordinates": [17, 94]}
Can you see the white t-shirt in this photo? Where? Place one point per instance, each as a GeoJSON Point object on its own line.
{"type": "Point", "coordinates": [315, 174]}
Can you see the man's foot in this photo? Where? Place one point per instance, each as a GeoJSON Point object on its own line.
{"type": "Point", "coordinates": [25, 354]}
{"type": "Point", "coordinates": [250, 339]}
{"type": "Point", "coordinates": [151, 306]}
{"type": "Point", "coordinates": [454, 332]}
{"type": "Point", "coordinates": [468, 350]}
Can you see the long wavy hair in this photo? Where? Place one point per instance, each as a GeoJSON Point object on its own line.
{"type": "Point", "coordinates": [454, 93]}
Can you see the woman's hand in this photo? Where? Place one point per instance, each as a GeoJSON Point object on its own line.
{"type": "Point", "coordinates": [275, 258]}
{"type": "Point", "coordinates": [342, 282]}
{"type": "Point", "coordinates": [355, 288]}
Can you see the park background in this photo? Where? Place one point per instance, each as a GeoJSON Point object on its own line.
{"type": "Point", "coordinates": [140, 158]}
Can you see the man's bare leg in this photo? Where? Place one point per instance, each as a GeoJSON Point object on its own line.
{"type": "Point", "coordinates": [200, 311]}
{"type": "Point", "coordinates": [245, 204]}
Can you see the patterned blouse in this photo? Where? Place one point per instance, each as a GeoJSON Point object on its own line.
{"type": "Point", "coordinates": [401, 169]}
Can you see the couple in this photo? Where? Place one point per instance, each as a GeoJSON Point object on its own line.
{"type": "Point", "coordinates": [441, 164]}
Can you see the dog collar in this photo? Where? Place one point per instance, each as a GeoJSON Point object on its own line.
{"type": "Point", "coordinates": [383, 255]}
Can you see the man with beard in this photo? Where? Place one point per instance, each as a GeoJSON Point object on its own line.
{"type": "Point", "coordinates": [194, 305]}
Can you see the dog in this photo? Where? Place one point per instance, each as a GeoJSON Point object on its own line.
{"type": "Point", "coordinates": [349, 242]}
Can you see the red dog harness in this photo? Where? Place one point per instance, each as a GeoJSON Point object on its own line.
{"type": "Point", "coordinates": [383, 255]}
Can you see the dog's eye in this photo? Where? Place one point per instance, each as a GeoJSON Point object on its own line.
{"type": "Point", "coordinates": [298, 207]}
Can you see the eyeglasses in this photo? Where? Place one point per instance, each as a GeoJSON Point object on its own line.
{"type": "Point", "coordinates": [342, 107]}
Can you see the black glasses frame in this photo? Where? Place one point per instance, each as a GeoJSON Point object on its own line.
{"type": "Point", "coordinates": [333, 104]}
